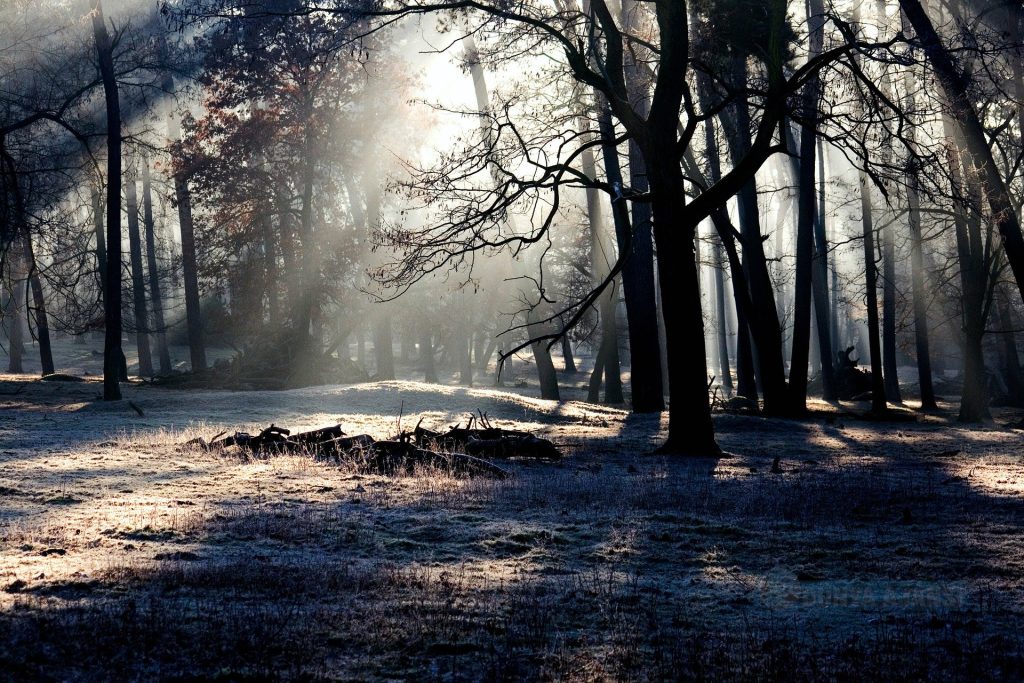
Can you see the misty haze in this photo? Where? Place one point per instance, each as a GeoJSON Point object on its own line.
{"type": "Point", "coordinates": [526, 340]}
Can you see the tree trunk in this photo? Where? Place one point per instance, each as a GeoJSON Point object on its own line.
{"type": "Point", "coordinates": [112, 352]}
{"type": "Point", "coordinates": [637, 286]}
{"type": "Point", "coordinates": [691, 431]}
{"type": "Point", "coordinates": [138, 277]}
{"type": "Point", "coordinates": [831, 271]}
{"type": "Point", "coordinates": [101, 243]}
{"type": "Point", "coordinates": [602, 257]}
{"type": "Point", "coordinates": [746, 384]}
{"type": "Point", "coordinates": [724, 371]}
{"type": "Point", "coordinates": [159, 328]}
{"type": "Point", "coordinates": [189, 267]}
{"type": "Point", "coordinates": [974, 397]}
{"type": "Point", "coordinates": [766, 333]}
{"type": "Point", "coordinates": [569, 362]}
{"type": "Point", "coordinates": [39, 306]}
{"type": "Point", "coordinates": [819, 283]}
{"type": "Point", "coordinates": [542, 357]}
{"type": "Point", "coordinates": [596, 376]}
{"type": "Point", "coordinates": [878, 402]}
{"type": "Point", "coordinates": [806, 219]}
{"type": "Point", "coordinates": [917, 275]}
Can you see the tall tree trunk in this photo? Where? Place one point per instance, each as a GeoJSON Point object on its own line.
{"type": "Point", "coordinates": [112, 352]}
{"type": "Point", "coordinates": [601, 259]}
{"type": "Point", "coordinates": [822, 307]}
{"type": "Point", "coordinates": [806, 218]}
{"type": "Point", "coordinates": [309, 269]}
{"type": "Point", "coordinates": [831, 271]}
{"type": "Point", "coordinates": [270, 272]}
{"type": "Point", "coordinates": [189, 266]}
{"type": "Point", "coordinates": [690, 428]}
{"type": "Point", "coordinates": [974, 397]}
{"type": "Point", "coordinates": [878, 402]}
{"type": "Point", "coordinates": [763, 319]}
{"type": "Point", "coordinates": [646, 329]}
{"type": "Point", "coordinates": [746, 384]}
{"type": "Point", "coordinates": [101, 243]}
{"type": "Point", "coordinates": [637, 288]}
{"type": "Point", "coordinates": [722, 328]}
{"type": "Point", "coordinates": [159, 328]}
{"type": "Point", "coordinates": [138, 277]}
{"type": "Point", "coordinates": [917, 275]}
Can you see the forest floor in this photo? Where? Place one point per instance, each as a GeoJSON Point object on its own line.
{"type": "Point", "coordinates": [881, 550]}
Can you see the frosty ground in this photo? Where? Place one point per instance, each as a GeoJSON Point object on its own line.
{"type": "Point", "coordinates": [881, 549]}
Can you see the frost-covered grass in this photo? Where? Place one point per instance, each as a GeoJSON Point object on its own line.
{"type": "Point", "coordinates": [880, 551]}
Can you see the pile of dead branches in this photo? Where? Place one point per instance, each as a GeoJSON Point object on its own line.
{"type": "Point", "coordinates": [461, 451]}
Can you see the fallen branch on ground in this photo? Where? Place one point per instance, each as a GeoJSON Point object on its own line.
{"type": "Point", "coordinates": [460, 450]}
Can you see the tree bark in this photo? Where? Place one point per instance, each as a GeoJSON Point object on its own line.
{"type": "Point", "coordinates": [189, 266]}
{"type": "Point", "coordinates": [542, 357]}
{"type": "Point", "coordinates": [637, 288]}
{"type": "Point", "coordinates": [138, 277]}
{"type": "Point", "coordinates": [569, 362]}
{"type": "Point", "coordinates": [722, 329]}
{"type": "Point", "coordinates": [917, 275]}
{"type": "Point", "coordinates": [159, 328]}
{"type": "Point", "coordinates": [601, 259]}
{"type": "Point", "coordinates": [878, 402]}
{"type": "Point", "coordinates": [39, 307]}
{"type": "Point", "coordinates": [112, 352]}
{"type": "Point", "coordinates": [806, 219]}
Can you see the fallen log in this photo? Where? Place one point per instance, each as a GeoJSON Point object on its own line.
{"type": "Point", "coordinates": [486, 440]}
{"type": "Point", "coordinates": [332, 443]}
